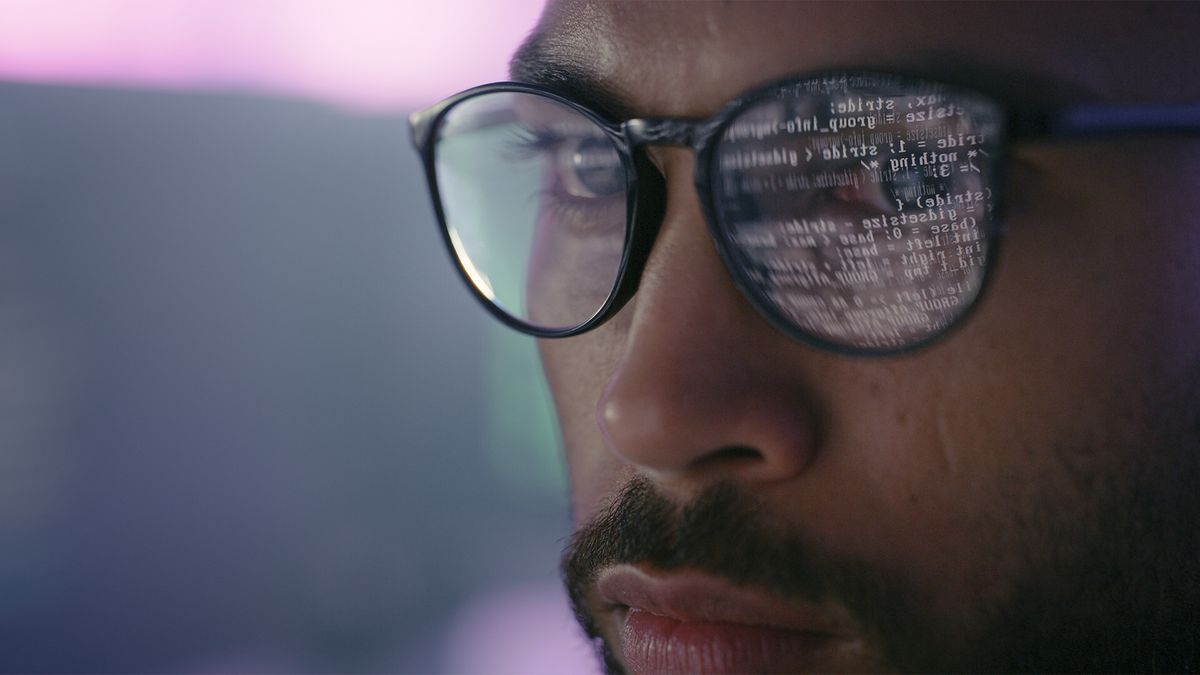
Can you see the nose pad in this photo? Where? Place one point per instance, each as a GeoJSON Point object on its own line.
{"type": "Point", "coordinates": [648, 210]}
{"type": "Point", "coordinates": [699, 392]}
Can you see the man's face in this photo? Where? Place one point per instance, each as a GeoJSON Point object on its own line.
{"type": "Point", "coordinates": [1017, 495]}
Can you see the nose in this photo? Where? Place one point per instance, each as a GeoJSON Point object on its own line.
{"type": "Point", "coordinates": [705, 388]}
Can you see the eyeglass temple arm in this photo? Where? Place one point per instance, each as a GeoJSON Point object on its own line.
{"type": "Point", "coordinates": [1083, 121]}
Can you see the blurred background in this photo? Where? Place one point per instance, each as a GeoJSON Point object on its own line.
{"type": "Point", "coordinates": [250, 420]}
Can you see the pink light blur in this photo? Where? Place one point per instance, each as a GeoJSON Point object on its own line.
{"type": "Point", "coordinates": [365, 54]}
{"type": "Point", "coordinates": [518, 629]}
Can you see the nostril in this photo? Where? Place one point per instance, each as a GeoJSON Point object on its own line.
{"type": "Point", "coordinates": [739, 451]}
{"type": "Point", "coordinates": [729, 456]}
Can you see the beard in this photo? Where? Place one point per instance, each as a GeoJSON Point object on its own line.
{"type": "Point", "coordinates": [1112, 587]}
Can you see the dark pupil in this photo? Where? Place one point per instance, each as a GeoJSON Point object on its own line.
{"type": "Point", "coordinates": [909, 185]}
{"type": "Point", "coordinates": [597, 166]}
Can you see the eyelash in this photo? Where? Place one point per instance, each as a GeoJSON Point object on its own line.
{"type": "Point", "coordinates": [528, 144]}
{"type": "Point", "coordinates": [543, 145]}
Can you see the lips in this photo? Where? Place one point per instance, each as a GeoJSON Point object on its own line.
{"type": "Point", "coordinates": [694, 623]}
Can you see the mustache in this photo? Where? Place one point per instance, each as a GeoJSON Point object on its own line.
{"type": "Point", "coordinates": [724, 532]}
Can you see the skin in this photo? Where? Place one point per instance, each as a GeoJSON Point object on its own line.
{"type": "Point", "coordinates": [973, 466]}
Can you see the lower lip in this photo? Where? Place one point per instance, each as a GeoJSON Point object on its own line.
{"type": "Point", "coordinates": [658, 644]}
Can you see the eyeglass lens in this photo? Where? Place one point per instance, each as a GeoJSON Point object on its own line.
{"type": "Point", "coordinates": [533, 194]}
{"type": "Point", "coordinates": [856, 212]}
{"type": "Point", "coordinates": [860, 212]}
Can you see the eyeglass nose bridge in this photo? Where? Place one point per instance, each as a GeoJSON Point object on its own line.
{"type": "Point", "coordinates": [648, 209]}
{"type": "Point", "coordinates": [693, 133]}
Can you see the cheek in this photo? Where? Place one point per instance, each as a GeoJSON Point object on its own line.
{"type": "Point", "coordinates": [1099, 286]}
{"type": "Point", "coordinates": [997, 435]}
{"type": "Point", "coordinates": [1177, 279]}
{"type": "Point", "coordinates": [941, 486]}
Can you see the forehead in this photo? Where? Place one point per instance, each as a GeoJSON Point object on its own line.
{"type": "Point", "coordinates": [688, 58]}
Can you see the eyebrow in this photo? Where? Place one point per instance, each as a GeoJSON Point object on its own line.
{"type": "Point", "coordinates": [541, 60]}
{"type": "Point", "coordinates": [544, 60]}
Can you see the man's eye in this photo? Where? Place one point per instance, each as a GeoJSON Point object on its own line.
{"type": "Point", "coordinates": [907, 186]}
{"type": "Point", "coordinates": [589, 168]}
{"type": "Point", "coordinates": [582, 167]}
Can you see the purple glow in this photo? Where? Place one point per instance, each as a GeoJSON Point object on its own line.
{"type": "Point", "coordinates": [367, 54]}
{"type": "Point", "coordinates": [519, 629]}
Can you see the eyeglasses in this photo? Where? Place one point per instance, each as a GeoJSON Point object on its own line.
{"type": "Point", "coordinates": [857, 211]}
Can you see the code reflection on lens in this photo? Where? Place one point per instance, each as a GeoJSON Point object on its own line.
{"type": "Point", "coordinates": [859, 209]}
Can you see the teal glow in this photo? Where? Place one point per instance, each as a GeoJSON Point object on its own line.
{"type": "Point", "coordinates": [523, 443]}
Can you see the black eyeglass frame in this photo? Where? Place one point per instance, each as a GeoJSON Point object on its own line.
{"type": "Point", "coordinates": [645, 185]}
